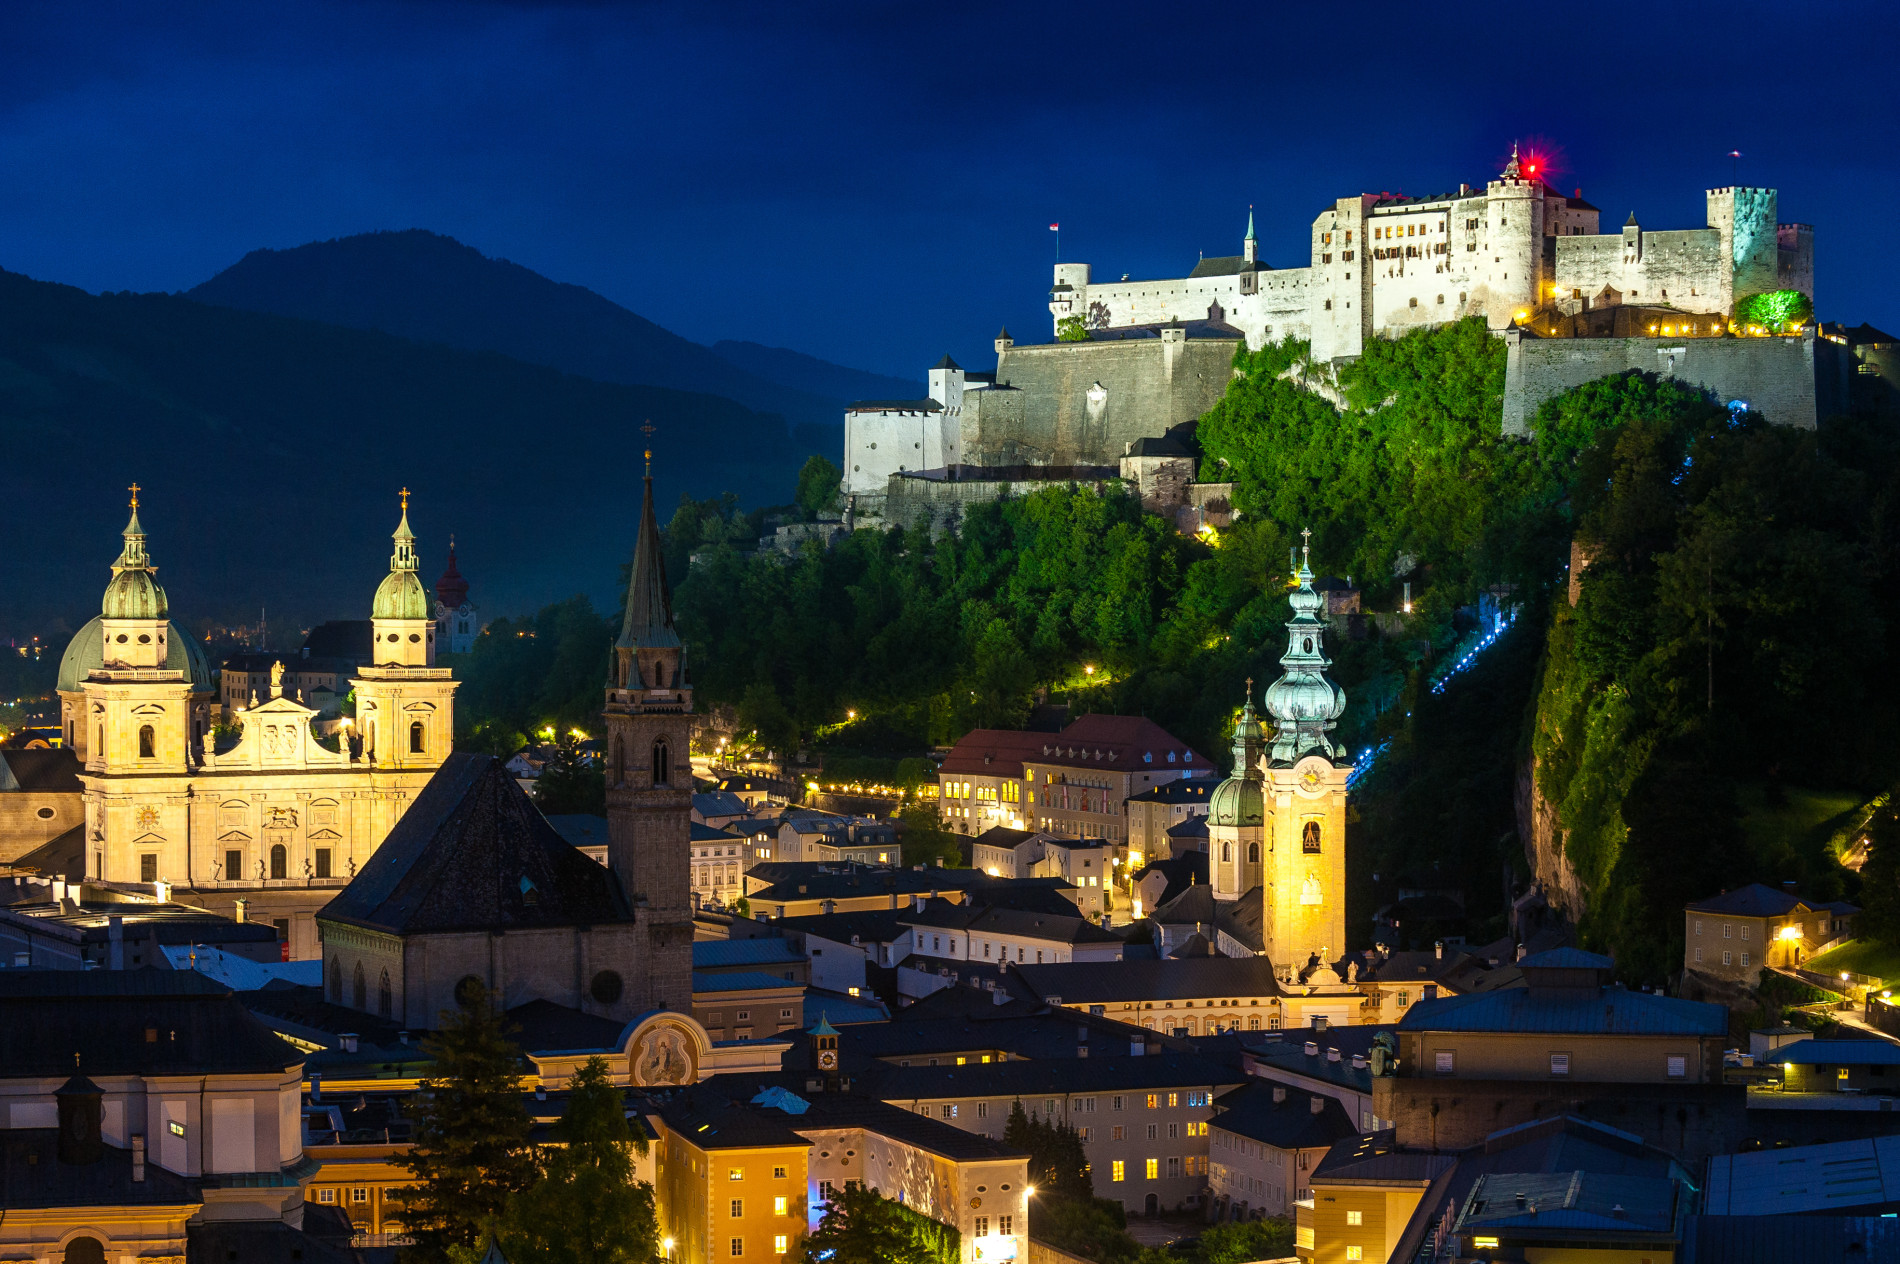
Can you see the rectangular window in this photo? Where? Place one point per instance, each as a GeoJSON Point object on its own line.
{"type": "Point", "coordinates": [1154, 1169]}
{"type": "Point", "coordinates": [1698, 926]}
{"type": "Point", "coordinates": [982, 1226]}
{"type": "Point", "coordinates": [1115, 1133]}
{"type": "Point", "coordinates": [321, 865]}
{"type": "Point", "coordinates": [1728, 931]}
{"type": "Point", "coordinates": [233, 865]}
{"type": "Point", "coordinates": [735, 1174]}
{"type": "Point", "coordinates": [1678, 1066]}
{"type": "Point", "coordinates": [326, 1195]}
{"type": "Point", "coordinates": [1355, 1217]}
{"type": "Point", "coordinates": [1004, 1225]}
{"type": "Point", "coordinates": [1154, 1100]}
{"type": "Point", "coordinates": [148, 867]}
{"type": "Point", "coordinates": [1118, 1171]}
{"type": "Point", "coordinates": [1728, 958]}
{"type": "Point", "coordinates": [1174, 1166]}
{"type": "Point", "coordinates": [1151, 1131]}
{"type": "Point", "coordinates": [1744, 961]}
{"type": "Point", "coordinates": [826, 1191]}
{"type": "Point", "coordinates": [1355, 1253]}
{"type": "Point", "coordinates": [778, 1243]}
{"type": "Point", "coordinates": [982, 1108]}
{"type": "Point", "coordinates": [950, 1111]}
{"type": "Point", "coordinates": [738, 1208]}
{"type": "Point", "coordinates": [1115, 1103]}
{"type": "Point", "coordinates": [1444, 1061]}
{"type": "Point", "coordinates": [1174, 1132]}
{"type": "Point", "coordinates": [360, 1194]}
{"type": "Point", "coordinates": [778, 1206]}
{"type": "Point", "coordinates": [1698, 954]}
{"type": "Point", "coordinates": [738, 1247]}
{"type": "Point", "coordinates": [1744, 930]}
{"type": "Point", "coordinates": [1560, 1064]}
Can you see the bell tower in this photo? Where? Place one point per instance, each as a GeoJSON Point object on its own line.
{"type": "Point", "coordinates": [137, 709]}
{"type": "Point", "coordinates": [405, 704]}
{"type": "Point", "coordinates": [649, 718]}
{"type": "Point", "coordinates": [1237, 814]}
{"type": "Point", "coordinates": [1305, 774]}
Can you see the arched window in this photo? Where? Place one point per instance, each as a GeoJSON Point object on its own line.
{"type": "Point", "coordinates": [1253, 853]}
{"type": "Point", "coordinates": [279, 861]}
{"type": "Point", "coordinates": [662, 764]}
{"type": "Point", "coordinates": [383, 1001]}
{"type": "Point", "coordinates": [335, 973]}
{"type": "Point", "coordinates": [415, 737]}
{"type": "Point", "coordinates": [359, 989]}
{"type": "Point", "coordinates": [85, 1251]}
{"type": "Point", "coordinates": [1226, 851]}
{"type": "Point", "coordinates": [1309, 838]}
{"type": "Point", "coordinates": [148, 742]}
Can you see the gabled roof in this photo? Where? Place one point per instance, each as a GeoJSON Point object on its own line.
{"type": "Point", "coordinates": [1759, 900]}
{"type": "Point", "coordinates": [1290, 1124]}
{"type": "Point", "coordinates": [873, 926]}
{"type": "Point", "coordinates": [51, 771]}
{"type": "Point", "coordinates": [473, 853]}
{"type": "Point", "coordinates": [1182, 872]}
{"type": "Point", "coordinates": [1173, 979]}
{"type": "Point", "coordinates": [719, 803]}
{"type": "Point", "coordinates": [1600, 1011]}
{"type": "Point", "coordinates": [992, 919]}
{"type": "Point", "coordinates": [992, 753]}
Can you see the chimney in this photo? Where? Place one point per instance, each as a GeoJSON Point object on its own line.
{"type": "Point", "coordinates": [1311, 1049]}
{"type": "Point", "coordinates": [916, 903]}
{"type": "Point", "coordinates": [348, 1041]}
{"type": "Point", "coordinates": [138, 1156]}
{"type": "Point", "coordinates": [1279, 1094]}
{"type": "Point", "coordinates": [1316, 1103]}
{"type": "Point", "coordinates": [1438, 950]}
{"type": "Point", "coordinates": [1332, 1053]}
{"type": "Point", "coordinates": [1521, 954]}
{"type": "Point", "coordinates": [1001, 996]}
{"type": "Point", "coordinates": [1359, 1062]}
{"type": "Point", "coordinates": [1321, 1022]}
{"type": "Point", "coordinates": [316, 1088]}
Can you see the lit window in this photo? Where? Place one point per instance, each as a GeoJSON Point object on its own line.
{"type": "Point", "coordinates": [735, 1174]}
{"type": "Point", "coordinates": [360, 1194]}
{"type": "Point", "coordinates": [778, 1206]}
{"type": "Point", "coordinates": [1154, 1168]}
{"type": "Point", "coordinates": [1355, 1217]}
{"type": "Point", "coordinates": [778, 1243]}
{"type": "Point", "coordinates": [1119, 1171]}
{"type": "Point", "coordinates": [1355, 1253]}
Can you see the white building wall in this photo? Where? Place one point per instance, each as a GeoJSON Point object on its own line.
{"type": "Point", "coordinates": [880, 444]}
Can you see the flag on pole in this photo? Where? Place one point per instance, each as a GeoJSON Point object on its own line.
{"type": "Point", "coordinates": [1055, 228]}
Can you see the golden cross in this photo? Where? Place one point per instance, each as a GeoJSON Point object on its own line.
{"type": "Point", "coordinates": [405, 500]}
{"type": "Point", "coordinates": [647, 428]}
{"type": "Point", "coordinates": [134, 489]}
{"type": "Point", "coordinates": [1250, 688]}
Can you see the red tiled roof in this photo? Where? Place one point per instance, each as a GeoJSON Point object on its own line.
{"type": "Point", "coordinates": [1125, 743]}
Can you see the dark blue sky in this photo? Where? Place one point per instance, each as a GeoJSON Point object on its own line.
{"type": "Point", "coordinates": [874, 183]}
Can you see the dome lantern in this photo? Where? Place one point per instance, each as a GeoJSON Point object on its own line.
{"type": "Point", "coordinates": [1304, 703]}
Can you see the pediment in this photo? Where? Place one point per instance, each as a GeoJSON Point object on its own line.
{"type": "Point", "coordinates": [234, 836]}
{"type": "Point", "coordinates": [324, 836]}
{"type": "Point", "coordinates": [420, 706]}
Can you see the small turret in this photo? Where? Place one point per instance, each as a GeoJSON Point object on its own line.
{"type": "Point", "coordinates": [1249, 245]}
{"type": "Point", "coordinates": [1239, 800]}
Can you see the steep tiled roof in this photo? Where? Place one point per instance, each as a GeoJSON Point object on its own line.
{"type": "Point", "coordinates": [1290, 1124]}
{"type": "Point", "coordinates": [1758, 900]}
{"type": "Point", "coordinates": [1606, 1011]}
{"type": "Point", "coordinates": [473, 853]}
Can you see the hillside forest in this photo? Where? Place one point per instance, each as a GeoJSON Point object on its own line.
{"type": "Point", "coordinates": [1716, 708]}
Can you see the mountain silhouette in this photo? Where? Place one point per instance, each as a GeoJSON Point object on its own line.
{"type": "Point", "coordinates": [432, 288]}
{"type": "Point", "coordinates": [271, 450]}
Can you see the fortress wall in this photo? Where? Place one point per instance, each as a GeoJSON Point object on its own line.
{"type": "Point", "coordinates": [1280, 309]}
{"type": "Point", "coordinates": [1118, 304]}
{"type": "Point", "coordinates": [1776, 376]}
{"type": "Point", "coordinates": [877, 445]}
{"type": "Point", "coordinates": [1684, 269]}
{"type": "Point", "coordinates": [1146, 386]}
{"type": "Point", "coordinates": [939, 505]}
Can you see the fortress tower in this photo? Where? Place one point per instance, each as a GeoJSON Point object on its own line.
{"type": "Point", "coordinates": [1514, 241]}
{"type": "Point", "coordinates": [649, 717]}
{"type": "Point", "coordinates": [1745, 219]}
{"type": "Point", "coordinates": [405, 704]}
{"type": "Point", "coordinates": [1305, 792]}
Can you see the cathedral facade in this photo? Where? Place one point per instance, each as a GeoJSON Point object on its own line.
{"type": "Point", "coordinates": [270, 828]}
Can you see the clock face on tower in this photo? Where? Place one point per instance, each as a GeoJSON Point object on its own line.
{"type": "Point", "coordinates": [827, 1059]}
{"type": "Point", "coordinates": [1310, 776]}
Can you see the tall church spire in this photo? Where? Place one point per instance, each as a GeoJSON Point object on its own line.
{"type": "Point", "coordinates": [648, 621]}
{"type": "Point", "coordinates": [1303, 702]}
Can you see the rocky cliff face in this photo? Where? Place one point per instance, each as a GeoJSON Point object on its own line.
{"type": "Point", "coordinates": [1543, 836]}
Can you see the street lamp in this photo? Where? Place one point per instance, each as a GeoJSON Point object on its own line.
{"type": "Point", "coordinates": [666, 1245]}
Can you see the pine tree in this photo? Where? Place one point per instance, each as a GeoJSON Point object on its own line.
{"type": "Point", "coordinates": [470, 1132]}
{"type": "Point", "coordinates": [586, 1208]}
{"type": "Point", "coordinates": [570, 782]}
{"type": "Point", "coordinates": [861, 1226]}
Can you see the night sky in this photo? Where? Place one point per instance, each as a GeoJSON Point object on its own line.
{"type": "Point", "coordinates": [873, 184]}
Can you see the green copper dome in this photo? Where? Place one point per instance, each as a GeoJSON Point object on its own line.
{"type": "Point", "coordinates": [1303, 702]}
{"type": "Point", "coordinates": [86, 653]}
{"type": "Point", "coordinates": [134, 592]}
{"type": "Point", "coordinates": [1241, 800]}
{"type": "Point", "coordinates": [400, 595]}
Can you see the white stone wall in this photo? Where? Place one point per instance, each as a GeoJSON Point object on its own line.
{"type": "Point", "coordinates": [880, 444]}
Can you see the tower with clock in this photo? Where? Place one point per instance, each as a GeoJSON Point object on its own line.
{"type": "Point", "coordinates": [1304, 773]}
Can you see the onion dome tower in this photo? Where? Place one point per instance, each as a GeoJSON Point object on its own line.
{"type": "Point", "coordinates": [405, 710]}
{"type": "Point", "coordinates": [1304, 703]}
{"type": "Point", "coordinates": [649, 718]}
{"type": "Point", "coordinates": [134, 609]}
{"type": "Point", "coordinates": [1237, 813]}
{"type": "Point", "coordinates": [1304, 877]}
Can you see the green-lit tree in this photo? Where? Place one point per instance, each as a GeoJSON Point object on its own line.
{"type": "Point", "coordinates": [586, 1208]}
{"type": "Point", "coordinates": [470, 1134]}
{"type": "Point", "coordinates": [1072, 329]}
{"type": "Point", "coordinates": [571, 781]}
{"type": "Point", "coordinates": [861, 1226]}
{"type": "Point", "coordinates": [817, 486]}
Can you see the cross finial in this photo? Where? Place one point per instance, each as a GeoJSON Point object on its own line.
{"type": "Point", "coordinates": [647, 428]}
{"type": "Point", "coordinates": [1306, 540]}
{"type": "Point", "coordinates": [1250, 688]}
{"type": "Point", "coordinates": [134, 489]}
{"type": "Point", "coordinates": [405, 499]}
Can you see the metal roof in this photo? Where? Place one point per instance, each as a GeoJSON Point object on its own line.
{"type": "Point", "coordinates": [1839, 1053]}
{"type": "Point", "coordinates": [744, 952]}
{"type": "Point", "coordinates": [1804, 1179]}
{"type": "Point", "coordinates": [1610, 1011]}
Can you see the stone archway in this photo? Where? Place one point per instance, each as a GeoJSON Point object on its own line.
{"type": "Point", "coordinates": [85, 1249]}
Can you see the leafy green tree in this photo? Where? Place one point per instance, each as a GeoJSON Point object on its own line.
{"type": "Point", "coordinates": [762, 712]}
{"type": "Point", "coordinates": [586, 1207]}
{"type": "Point", "coordinates": [1880, 879]}
{"type": "Point", "coordinates": [1236, 1243]}
{"type": "Point", "coordinates": [1774, 310]}
{"type": "Point", "coordinates": [923, 837]}
{"type": "Point", "coordinates": [1093, 1228]}
{"type": "Point", "coordinates": [817, 486]}
{"type": "Point", "coordinates": [571, 781]}
{"type": "Point", "coordinates": [861, 1226]}
{"type": "Point", "coordinates": [470, 1132]}
{"type": "Point", "coordinates": [1058, 1162]}
{"type": "Point", "coordinates": [1072, 329]}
